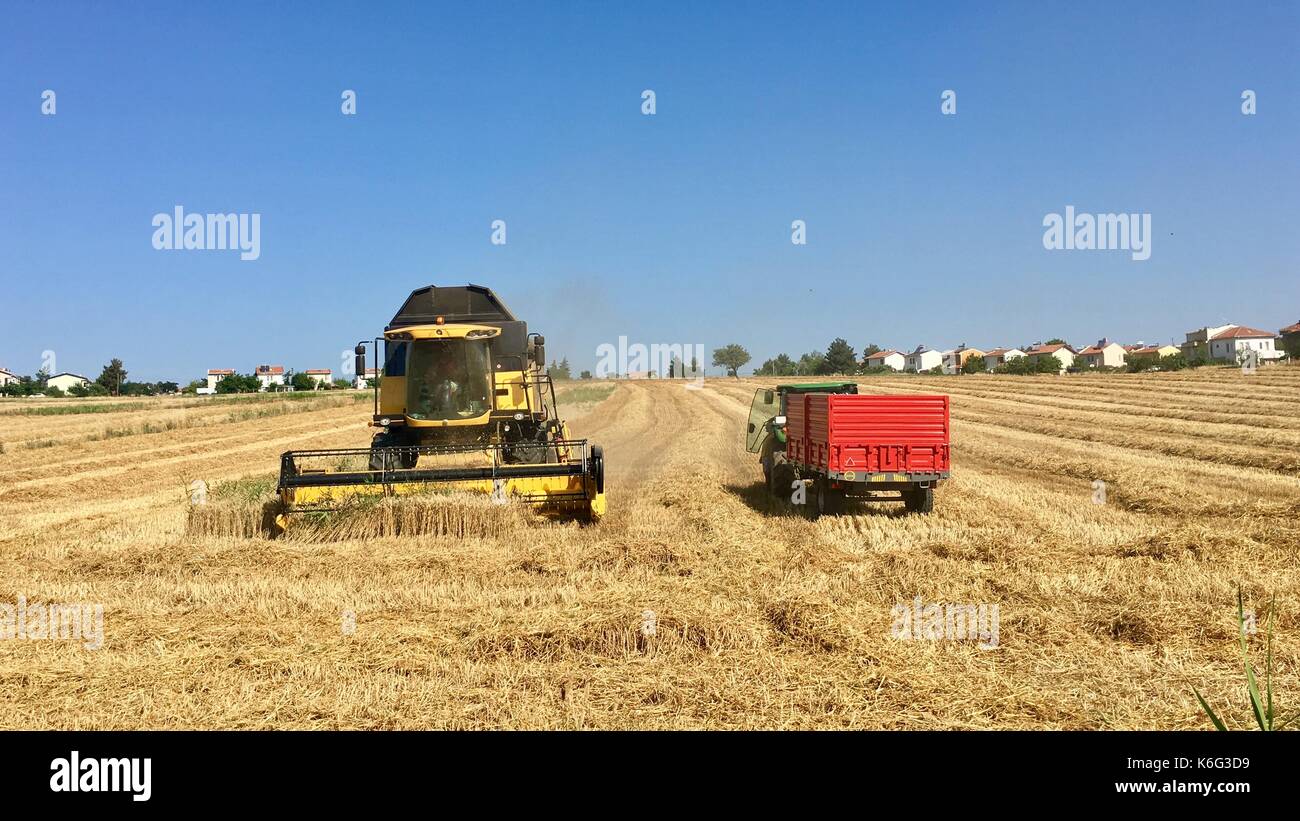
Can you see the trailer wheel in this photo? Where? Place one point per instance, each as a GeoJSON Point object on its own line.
{"type": "Point", "coordinates": [830, 500]}
{"type": "Point", "coordinates": [920, 500]}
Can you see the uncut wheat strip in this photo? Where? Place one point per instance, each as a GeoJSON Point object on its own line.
{"type": "Point", "coordinates": [1028, 387]}
{"type": "Point", "coordinates": [1290, 421]}
{"type": "Point", "coordinates": [165, 483]}
{"type": "Point", "coordinates": [1235, 430]}
{"type": "Point", "coordinates": [1209, 446]}
{"type": "Point", "coordinates": [79, 426]}
{"type": "Point", "coordinates": [1072, 384]}
{"type": "Point", "coordinates": [1157, 481]}
{"type": "Point", "coordinates": [89, 482]}
{"type": "Point", "coordinates": [185, 443]}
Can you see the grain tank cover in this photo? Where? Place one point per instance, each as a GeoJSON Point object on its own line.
{"type": "Point", "coordinates": [472, 304]}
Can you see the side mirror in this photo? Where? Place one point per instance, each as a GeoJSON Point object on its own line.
{"type": "Point", "coordinates": [360, 351]}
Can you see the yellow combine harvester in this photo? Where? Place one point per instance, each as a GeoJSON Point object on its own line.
{"type": "Point", "coordinates": [464, 404]}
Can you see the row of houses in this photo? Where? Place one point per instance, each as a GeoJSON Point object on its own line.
{"type": "Point", "coordinates": [62, 381]}
{"type": "Point", "coordinates": [1224, 343]}
{"type": "Point", "coordinates": [272, 377]}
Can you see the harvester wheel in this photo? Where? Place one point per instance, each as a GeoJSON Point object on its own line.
{"type": "Point", "coordinates": [401, 459]}
{"type": "Point", "coordinates": [598, 467]}
{"type": "Point", "coordinates": [919, 500]}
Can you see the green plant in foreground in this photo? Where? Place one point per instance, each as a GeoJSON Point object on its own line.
{"type": "Point", "coordinates": [1262, 707]}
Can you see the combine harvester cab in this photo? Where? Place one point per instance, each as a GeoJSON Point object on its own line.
{"type": "Point", "coordinates": [842, 445]}
{"type": "Point", "coordinates": [464, 404]}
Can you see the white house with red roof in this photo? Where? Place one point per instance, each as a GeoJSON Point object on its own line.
{"type": "Point", "coordinates": [1236, 343]}
{"type": "Point", "coordinates": [363, 382]}
{"type": "Point", "coordinates": [922, 359]}
{"type": "Point", "coordinates": [321, 377]}
{"type": "Point", "coordinates": [215, 375]}
{"type": "Point", "coordinates": [886, 359]}
{"type": "Point", "coordinates": [1062, 353]}
{"type": "Point", "coordinates": [269, 375]}
{"type": "Point", "coordinates": [1105, 354]}
{"type": "Point", "coordinates": [1197, 343]}
{"type": "Point", "coordinates": [1000, 356]}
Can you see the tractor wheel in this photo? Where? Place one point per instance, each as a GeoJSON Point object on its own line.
{"type": "Point", "coordinates": [780, 480]}
{"type": "Point", "coordinates": [920, 500]}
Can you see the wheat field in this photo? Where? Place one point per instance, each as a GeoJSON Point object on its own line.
{"type": "Point", "coordinates": [699, 602]}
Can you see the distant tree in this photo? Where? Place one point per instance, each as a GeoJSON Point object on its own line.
{"type": "Point", "coordinates": [239, 383]}
{"type": "Point", "coordinates": [732, 357]}
{"type": "Point", "coordinates": [809, 364]}
{"type": "Point", "coordinates": [42, 377]}
{"type": "Point", "coordinates": [1047, 364]}
{"type": "Point", "coordinates": [52, 390]}
{"type": "Point", "coordinates": [194, 386]}
{"type": "Point", "coordinates": [79, 390]}
{"type": "Point", "coordinates": [302, 382]}
{"type": "Point", "coordinates": [113, 377]}
{"type": "Point", "coordinates": [560, 370]}
{"type": "Point", "coordinates": [973, 364]}
{"type": "Point", "coordinates": [166, 387]}
{"type": "Point", "coordinates": [937, 370]}
{"type": "Point", "coordinates": [585, 375]}
{"type": "Point", "coordinates": [342, 384]}
{"type": "Point", "coordinates": [96, 389]}
{"type": "Point", "coordinates": [781, 365]}
{"type": "Point", "coordinates": [868, 351]}
{"type": "Point", "coordinates": [1056, 342]}
{"type": "Point", "coordinates": [840, 358]}
{"type": "Point", "coordinates": [676, 368]}
{"type": "Point", "coordinates": [1173, 362]}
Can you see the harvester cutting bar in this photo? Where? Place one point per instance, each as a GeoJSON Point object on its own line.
{"type": "Point", "coordinates": [390, 477]}
{"type": "Point", "coordinates": [392, 465]}
{"type": "Point", "coordinates": [319, 479]}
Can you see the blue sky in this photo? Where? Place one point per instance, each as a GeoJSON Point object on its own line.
{"type": "Point", "coordinates": [922, 228]}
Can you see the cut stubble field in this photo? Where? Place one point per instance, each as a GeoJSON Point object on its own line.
{"type": "Point", "coordinates": [699, 602]}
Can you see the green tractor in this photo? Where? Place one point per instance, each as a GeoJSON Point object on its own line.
{"type": "Point", "coordinates": [766, 429]}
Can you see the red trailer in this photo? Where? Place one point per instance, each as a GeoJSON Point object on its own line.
{"type": "Point", "coordinates": [877, 448]}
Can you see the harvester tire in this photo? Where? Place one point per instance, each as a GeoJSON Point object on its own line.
{"type": "Point", "coordinates": [598, 467]}
{"type": "Point", "coordinates": [400, 460]}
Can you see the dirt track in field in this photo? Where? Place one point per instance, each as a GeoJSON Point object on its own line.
{"type": "Point", "coordinates": [1109, 613]}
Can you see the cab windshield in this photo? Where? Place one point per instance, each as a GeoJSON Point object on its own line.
{"type": "Point", "coordinates": [448, 379]}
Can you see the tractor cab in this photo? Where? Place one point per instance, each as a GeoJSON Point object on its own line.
{"type": "Point", "coordinates": [767, 411]}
